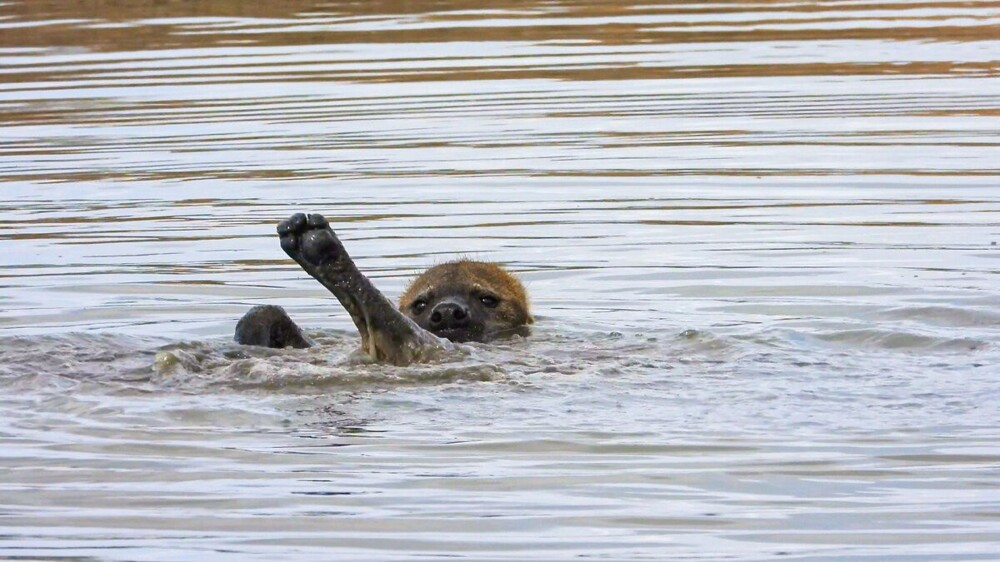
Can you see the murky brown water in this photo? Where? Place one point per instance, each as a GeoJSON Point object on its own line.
{"type": "Point", "coordinates": [761, 237]}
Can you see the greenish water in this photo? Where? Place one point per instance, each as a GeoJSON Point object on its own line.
{"type": "Point", "coordinates": [761, 241]}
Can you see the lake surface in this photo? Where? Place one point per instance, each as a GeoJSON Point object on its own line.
{"type": "Point", "coordinates": [761, 240]}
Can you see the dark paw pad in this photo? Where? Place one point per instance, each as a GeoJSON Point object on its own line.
{"type": "Point", "coordinates": [309, 240]}
{"type": "Point", "coordinates": [320, 246]}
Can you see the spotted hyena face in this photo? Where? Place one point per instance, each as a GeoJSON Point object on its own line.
{"type": "Point", "coordinates": [467, 301]}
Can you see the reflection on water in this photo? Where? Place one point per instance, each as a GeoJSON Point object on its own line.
{"type": "Point", "coordinates": [761, 239]}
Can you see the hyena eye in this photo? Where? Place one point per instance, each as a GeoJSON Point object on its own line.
{"type": "Point", "coordinates": [418, 306]}
{"type": "Point", "coordinates": [489, 301]}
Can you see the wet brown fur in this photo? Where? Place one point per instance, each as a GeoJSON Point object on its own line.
{"type": "Point", "coordinates": [473, 280]}
{"type": "Point", "coordinates": [458, 301]}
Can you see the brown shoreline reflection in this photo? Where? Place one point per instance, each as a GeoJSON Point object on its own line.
{"type": "Point", "coordinates": [109, 25]}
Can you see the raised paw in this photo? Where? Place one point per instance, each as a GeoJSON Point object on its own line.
{"type": "Point", "coordinates": [308, 240]}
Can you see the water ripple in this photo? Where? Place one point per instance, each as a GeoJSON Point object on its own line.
{"type": "Point", "coordinates": [760, 237]}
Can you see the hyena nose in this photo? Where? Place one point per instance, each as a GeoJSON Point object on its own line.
{"type": "Point", "coordinates": [449, 314]}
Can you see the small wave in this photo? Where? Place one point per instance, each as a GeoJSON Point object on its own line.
{"type": "Point", "coordinates": [951, 316]}
{"type": "Point", "coordinates": [900, 340]}
{"type": "Point", "coordinates": [76, 356]}
{"type": "Point", "coordinates": [333, 365]}
{"type": "Point", "coordinates": [124, 363]}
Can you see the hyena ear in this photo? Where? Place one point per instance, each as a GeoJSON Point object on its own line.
{"type": "Point", "coordinates": [269, 326]}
